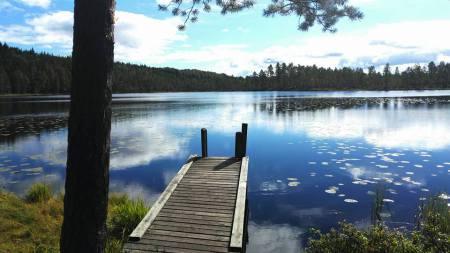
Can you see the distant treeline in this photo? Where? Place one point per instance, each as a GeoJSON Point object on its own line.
{"type": "Point", "coordinates": [25, 71]}
{"type": "Point", "coordinates": [297, 77]}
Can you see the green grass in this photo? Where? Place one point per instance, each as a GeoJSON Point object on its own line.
{"type": "Point", "coordinates": [124, 215]}
{"type": "Point", "coordinates": [38, 193]}
{"type": "Point", "coordinates": [33, 224]}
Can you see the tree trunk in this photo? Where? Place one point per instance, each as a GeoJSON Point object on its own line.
{"type": "Point", "coordinates": [87, 175]}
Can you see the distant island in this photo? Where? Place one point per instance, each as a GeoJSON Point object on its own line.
{"type": "Point", "coordinates": [28, 72]}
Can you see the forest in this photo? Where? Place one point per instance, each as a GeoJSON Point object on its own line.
{"type": "Point", "coordinates": [25, 71]}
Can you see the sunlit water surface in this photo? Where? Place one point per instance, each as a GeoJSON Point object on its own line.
{"type": "Point", "coordinates": [315, 157]}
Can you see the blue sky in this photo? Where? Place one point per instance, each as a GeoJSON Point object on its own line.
{"type": "Point", "coordinates": [402, 32]}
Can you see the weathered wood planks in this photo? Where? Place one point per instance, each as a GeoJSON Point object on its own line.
{"type": "Point", "coordinates": [157, 206]}
{"type": "Point", "coordinates": [202, 210]}
{"type": "Point", "coordinates": [237, 233]}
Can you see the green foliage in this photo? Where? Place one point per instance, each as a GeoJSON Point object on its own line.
{"type": "Point", "coordinates": [113, 245]}
{"type": "Point", "coordinates": [324, 13]}
{"type": "Point", "coordinates": [298, 77]}
{"type": "Point", "coordinates": [432, 235]}
{"type": "Point", "coordinates": [348, 238]}
{"type": "Point", "coordinates": [38, 193]}
{"type": "Point", "coordinates": [434, 225]}
{"type": "Point", "coordinates": [124, 216]}
{"type": "Point", "coordinates": [24, 71]}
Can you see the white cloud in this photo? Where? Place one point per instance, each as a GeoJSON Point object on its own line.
{"type": "Point", "coordinates": [143, 39]}
{"type": "Point", "coordinates": [8, 7]}
{"type": "Point", "coordinates": [163, 2]}
{"type": "Point", "coordinates": [36, 3]}
{"type": "Point", "coordinates": [146, 40]}
{"type": "Point", "coordinates": [401, 43]}
{"type": "Point", "coordinates": [138, 38]}
{"type": "Point", "coordinates": [53, 29]}
{"type": "Point", "coordinates": [230, 59]}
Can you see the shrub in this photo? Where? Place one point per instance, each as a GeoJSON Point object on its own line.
{"type": "Point", "coordinates": [434, 225]}
{"type": "Point", "coordinates": [348, 238]}
{"type": "Point", "coordinates": [124, 216]}
{"type": "Point", "coordinates": [38, 193]}
{"type": "Point", "coordinates": [113, 246]}
{"type": "Point", "coordinates": [432, 234]}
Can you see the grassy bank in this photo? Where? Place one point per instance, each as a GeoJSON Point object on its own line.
{"type": "Point", "coordinates": [33, 223]}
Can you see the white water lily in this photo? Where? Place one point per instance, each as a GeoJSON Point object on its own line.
{"type": "Point", "coordinates": [444, 196]}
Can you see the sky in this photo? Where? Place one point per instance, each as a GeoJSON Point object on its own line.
{"type": "Point", "coordinates": [401, 32]}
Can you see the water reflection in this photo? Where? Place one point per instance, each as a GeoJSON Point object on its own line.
{"type": "Point", "coordinates": [315, 158]}
{"type": "Point", "coordinates": [280, 238]}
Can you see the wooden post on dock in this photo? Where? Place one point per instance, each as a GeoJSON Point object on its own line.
{"type": "Point", "coordinates": [204, 143]}
{"type": "Point", "coordinates": [238, 145]}
{"type": "Point", "coordinates": [244, 139]}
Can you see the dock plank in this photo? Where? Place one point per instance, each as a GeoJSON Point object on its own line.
{"type": "Point", "coordinates": [198, 210]}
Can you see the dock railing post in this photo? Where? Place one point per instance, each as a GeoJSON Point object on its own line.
{"type": "Point", "coordinates": [204, 143]}
{"type": "Point", "coordinates": [238, 145]}
{"type": "Point", "coordinates": [244, 139]}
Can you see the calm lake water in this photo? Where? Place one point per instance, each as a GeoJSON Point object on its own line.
{"type": "Point", "coordinates": [315, 157]}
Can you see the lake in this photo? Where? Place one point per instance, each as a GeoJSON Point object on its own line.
{"type": "Point", "coordinates": [316, 158]}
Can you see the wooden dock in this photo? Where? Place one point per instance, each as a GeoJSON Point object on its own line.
{"type": "Point", "coordinates": [203, 209]}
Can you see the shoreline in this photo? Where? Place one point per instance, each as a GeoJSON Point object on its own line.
{"type": "Point", "coordinates": [226, 91]}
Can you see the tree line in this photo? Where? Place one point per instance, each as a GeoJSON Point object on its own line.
{"type": "Point", "coordinates": [25, 71]}
{"type": "Point", "coordinates": [297, 77]}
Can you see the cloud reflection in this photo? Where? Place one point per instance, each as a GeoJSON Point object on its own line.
{"type": "Point", "coordinates": [408, 127]}
{"type": "Point", "coordinates": [134, 142]}
{"type": "Point", "coordinates": [394, 123]}
{"type": "Point", "coordinates": [134, 191]}
{"type": "Point", "coordinates": [274, 238]}
{"type": "Point", "coordinates": [138, 142]}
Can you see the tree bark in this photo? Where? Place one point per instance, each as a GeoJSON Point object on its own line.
{"type": "Point", "coordinates": [87, 174]}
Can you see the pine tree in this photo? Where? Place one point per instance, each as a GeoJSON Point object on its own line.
{"type": "Point", "coordinates": [270, 72]}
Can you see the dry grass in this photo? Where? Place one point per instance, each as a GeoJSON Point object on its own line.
{"type": "Point", "coordinates": [29, 227]}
